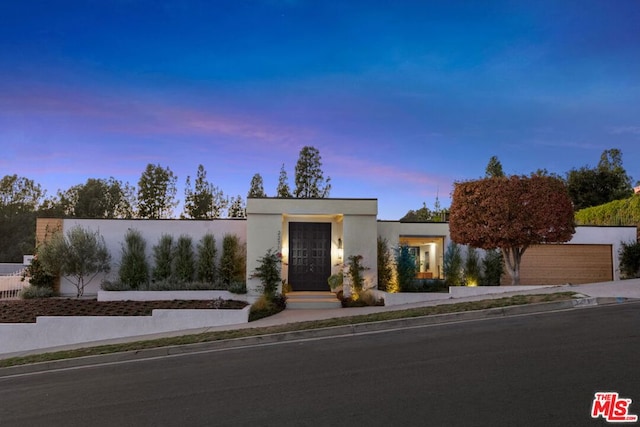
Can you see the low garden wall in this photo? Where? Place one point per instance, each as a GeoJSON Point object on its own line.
{"type": "Point", "coordinates": [401, 298]}
{"type": "Point", "coordinates": [59, 331]}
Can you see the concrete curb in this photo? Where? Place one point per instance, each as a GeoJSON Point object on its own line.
{"type": "Point", "coordinates": [335, 331]}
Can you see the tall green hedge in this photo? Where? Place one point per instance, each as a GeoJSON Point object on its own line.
{"type": "Point", "coordinates": [618, 212]}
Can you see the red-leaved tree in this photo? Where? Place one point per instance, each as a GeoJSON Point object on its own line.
{"type": "Point", "coordinates": [511, 214]}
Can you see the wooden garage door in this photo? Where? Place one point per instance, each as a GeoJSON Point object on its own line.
{"type": "Point", "coordinates": [560, 264]}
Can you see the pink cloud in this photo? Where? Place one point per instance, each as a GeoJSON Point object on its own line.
{"type": "Point", "coordinates": [100, 113]}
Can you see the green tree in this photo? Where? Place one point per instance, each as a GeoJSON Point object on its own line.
{"type": "Point", "coordinates": [257, 187]}
{"type": "Point", "coordinates": [156, 192]}
{"type": "Point", "coordinates": [283, 190]}
{"type": "Point", "coordinates": [511, 214]}
{"type": "Point", "coordinates": [385, 266]}
{"type": "Point", "coordinates": [134, 267]}
{"type": "Point", "coordinates": [20, 199]}
{"type": "Point", "coordinates": [205, 201]}
{"type": "Point", "coordinates": [237, 208]}
{"type": "Point", "coordinates": [163, 254]}
{"type": "Point", "coordinates": [421, 215]}
{"type": "Point", "coordinates": [310, 182]}
{"type": "Point", "coordinates": [100, 198]}
{"type": "Point", "coordinates": [61, 205]}
{"type": "Point", "coordinates": [184, 260]}
{"type": "Point", "coordinates": [596, 186]}
{"type": "Point", "coordinates": [80, 255]}
{"type": "Point", "coordinates": [207, 252]}
{"type": "Point", "coordinates": [494, 168]}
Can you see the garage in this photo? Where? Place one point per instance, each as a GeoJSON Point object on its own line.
{"type": "Point", "coordinates": [556, 264]}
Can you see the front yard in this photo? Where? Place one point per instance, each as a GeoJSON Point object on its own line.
{"type": "Point", "coordinates": [26, 311]}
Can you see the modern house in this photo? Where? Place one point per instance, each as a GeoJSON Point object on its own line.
{"type": "Point", "coordinates": [316, 237]}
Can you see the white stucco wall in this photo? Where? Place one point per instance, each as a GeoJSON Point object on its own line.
{"type": "Point", "coordinates": [54, 331]}
{"type": "Point", "coordinates": [352, 220]}
{"type": "Point", "coordinates": [614, 236]}
{"type": "Point", "coordinates": [114, 231]}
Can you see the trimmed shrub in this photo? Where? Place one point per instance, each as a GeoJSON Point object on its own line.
{"type": "Point", "coordinates": [427, 285]}
{"type": "Point", "coordinates": [238, 287]}
{"type": "Point", "coordinates": [163, 258]}
{"type": "Point", "coordinates": [134, 268]}
{"type": "Point", "coordinates": [630, 260]}
{"type": "Point", "coordinates": [32, 292]}
{"type": "Point", "coordinates": [37, 275]}
{"type": "Point", "coordinates": [184, 260]}
{"type": "Point", "coordinates": [233, 260]}
{"type": "Point", "coordinates": [268, 271]}
{"type": "Point", "coordinates": [493, 265]}
{"type": "Point", "coordinates": [405, 268]}
{"type": "Point", "coordinates": [119, 286]}
{"type": "Point", "coordinates": [472, 269]}
{"type": "Point", "coordinates": [385, 268]}
{"type": "Point", "coordinates": [453, 265]}
{"type": "Point", "coordinates": [207, 252]}
{"type": "Point", "coordinates": [355, 273]}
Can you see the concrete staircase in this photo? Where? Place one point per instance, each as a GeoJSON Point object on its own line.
{"type": "Point", "coordinates": [312, 300]}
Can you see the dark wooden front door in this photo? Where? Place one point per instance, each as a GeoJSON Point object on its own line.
{"type": "Point", "coordinates": [309, 255]}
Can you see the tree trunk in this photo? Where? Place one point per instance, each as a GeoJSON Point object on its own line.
{"type": "Point", "coordinates": [512, 258]}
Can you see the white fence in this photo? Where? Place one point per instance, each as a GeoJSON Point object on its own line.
{"type": "Point", "coordinates": [12, 285]}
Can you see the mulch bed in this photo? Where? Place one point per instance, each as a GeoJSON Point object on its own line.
{"type": "Point", "coordinates": [26, 311]}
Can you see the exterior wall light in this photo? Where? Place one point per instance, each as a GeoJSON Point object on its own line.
{"type": "Point", "coordinates": [340, 251]}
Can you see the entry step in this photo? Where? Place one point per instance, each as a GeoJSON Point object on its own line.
{"type": "Point", "coordinates": [312, 300]}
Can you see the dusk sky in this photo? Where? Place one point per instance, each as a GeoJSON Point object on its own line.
{"type": "Point", "coordinates": [401, 98]}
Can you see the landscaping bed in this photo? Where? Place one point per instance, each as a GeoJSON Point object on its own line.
{"type": "Point", "coordinates": [26, 311]}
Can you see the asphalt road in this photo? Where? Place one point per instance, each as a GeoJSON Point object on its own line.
{"type": "Point", "coordinates": [536, 370]}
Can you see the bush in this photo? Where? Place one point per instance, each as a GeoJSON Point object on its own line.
{"type": "Point", "coordinates": [427, 285]}
{"type": "Point", "coordinates": [134, 268]}
{"type": "Point", "coordinates": [207, 252]}
{"type": "Point", "coordinates": [163, 258]}
{"type": "Point", "coordinates": [37, 275]}
{"type": "Point", "coordinates": [32, 292]}
{"type": "Point", "coordinates": [117, 286]}
{"type": "Point", "coordinates": [268, 271]}
{"type": "Point", "coordinates": [453, 265]}
{"type": "Point", "coordinates": [184, 260]}
{"type": "Point", "coordinates": [472, 272]}
{"type": "Point", "coordinates": [355, 273]}
{"type": "Point", "coordinates": [238, 287]}
{"type": "Point", "coordinates": [385, 269]}
{"type": "Point", "coordinates": [267, 305]}
{"type": "Point", "coordinates": [630, 260]}
{"type": "Point", "coordinates": [233, 260]}
{"type": "Point", "coordinates": [405, 268]}
{"type": "Point", "coordinates": [493, 265]}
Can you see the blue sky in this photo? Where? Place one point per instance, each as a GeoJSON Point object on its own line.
{"type": "Point", "coordinates": [401, 98]}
